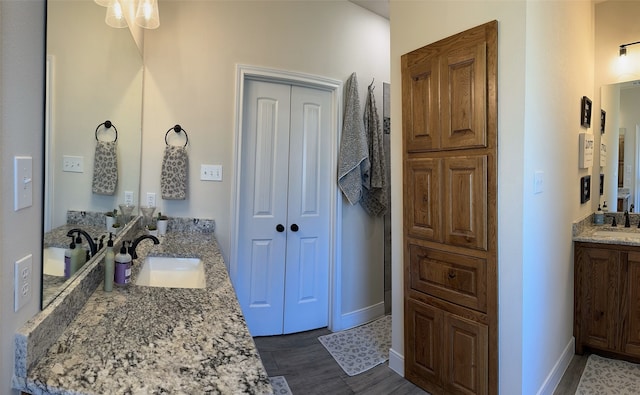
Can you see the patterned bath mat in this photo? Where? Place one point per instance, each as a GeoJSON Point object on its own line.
{"type": "Point", "coordinates": [362, 348]}
{"type": "Point", "coordinates": [280, 385]}
{"type": "Point", "coordinates": [603, 376]}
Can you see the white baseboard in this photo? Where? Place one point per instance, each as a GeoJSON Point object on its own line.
{"type": "Point", "coordinates": [554, 377]}
{"type": "Point", "coordinates": [396, 362]}
{"type": "Point", "coordinates": [359, 317]}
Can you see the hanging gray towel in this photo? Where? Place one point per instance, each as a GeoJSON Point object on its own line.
{"type": "Point", "coordinates": [353, 159]}
{"type": "Point", "coordinates": [374, 195]}
{"type": "Point", "coordinates": [173, 178]}
{"type": "Point", "coordinates": [105, 168]}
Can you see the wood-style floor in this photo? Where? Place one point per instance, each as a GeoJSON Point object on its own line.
{"type": "Point", "coordinates": [310, 369]}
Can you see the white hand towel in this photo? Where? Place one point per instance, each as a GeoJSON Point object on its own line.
{"type": "Point", "coordinates": [353, 159]}
{"type": "Point", "coordinates": [105, 168]}
{"type": "Point", "coordinates": [174, 175]}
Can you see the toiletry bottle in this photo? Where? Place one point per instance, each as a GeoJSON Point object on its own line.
{"type": "Point", "coordinates": [123, 266]}
{"type": "Point", "coordinates": [109, 265]}
{"type": "Point", "coordinates": [82, 252]}
{"type": "Point", "coordinates": [598, 217]}
{"type": "Point", "coordinates": [67, 258]}
{"type": "Point", "coordinates": [77, 256]}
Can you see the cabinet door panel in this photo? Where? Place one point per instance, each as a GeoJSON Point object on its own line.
{"type": "Point", "coordinates": [453, 277]}
{"type": "Point", "coordinates": [423, 360]}
{"type": "Point", "coordinates": [466, 356]}
{"type": "Point", "coordinates": [465, 197]}
{"type": "Point", "coordinates": [420, 117]}
{"type": "Point", "coordinates": [600, 297]}
{"type": "Point", "coordinates": [464, 97]}
{"type": "Point", "coordinates": [631, 306]}
{"type": "Point", "coordinates": [423, 208]}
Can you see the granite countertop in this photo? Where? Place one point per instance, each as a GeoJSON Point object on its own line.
{"type": "Point", "coordinates": [588, 232]}
{"type": "Point", "coordinates": [153, 340]}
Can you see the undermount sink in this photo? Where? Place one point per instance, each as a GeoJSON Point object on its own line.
{"type": "Point", "coordinates": [615, 233]}
{"type": "Point", "coordinates": [172, 272]}
{"type": "Point", "coordinates": [53, 261]}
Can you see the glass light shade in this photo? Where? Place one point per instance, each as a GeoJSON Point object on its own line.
{"type": "Point", "coordinates": [115, 15]}
{"type": "Point", "coordinates": [147, 15]}
{"type": "Point", "coordinates": [104, 3]}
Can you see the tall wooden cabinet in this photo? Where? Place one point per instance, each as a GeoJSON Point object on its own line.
{"type": "Point", "coordinates": [449, 121]}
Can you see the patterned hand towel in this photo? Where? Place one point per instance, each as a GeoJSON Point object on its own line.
{"type": "Point", "coordinates": [105, 168]}
{"type": "Point", "coordinates": [353, 159]}
{"type": "Point", "coordinates": [374, 195]}
{"type": "Point", "coordinates": [173, 178]}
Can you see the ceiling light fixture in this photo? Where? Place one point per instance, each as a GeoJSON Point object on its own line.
{"type": "Point", "coordinates": [115, 15]}
{"type": "Point", "coordinates": [147, 15]}
{"type": "Point", "coordinates": [623, 48]}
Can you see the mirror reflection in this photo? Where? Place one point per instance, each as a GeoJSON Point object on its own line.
{"type": "Point", "coordinates": [621, 102]}
{"type": "Point", "coordinates": [94, 74]}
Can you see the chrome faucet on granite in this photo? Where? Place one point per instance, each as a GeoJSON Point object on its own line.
{"type": "Point", "coordinates": [92, 246]}
{"type": "Point", "coordinates": [134, 244]}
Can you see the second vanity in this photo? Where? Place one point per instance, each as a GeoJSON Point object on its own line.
{"type": "Point", "coordinates": [607, 288]}
{"type": "Point", "coordinates": [144, 340]}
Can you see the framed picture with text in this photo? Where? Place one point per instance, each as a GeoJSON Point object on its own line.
{"type": "Point", "coordinates": [585, 114]}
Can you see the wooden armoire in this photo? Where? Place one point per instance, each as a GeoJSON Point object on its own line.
{"type": "Point", "coordinates": [449, 122]}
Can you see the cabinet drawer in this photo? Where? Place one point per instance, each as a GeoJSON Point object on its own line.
{"type": "Point", "coordinates": [456, 278]}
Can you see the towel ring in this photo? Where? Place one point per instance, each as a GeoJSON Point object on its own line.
{"type": "Point", "coordinates": [176, 129]}
{"type": "Point", "coordinates": [107, 124]}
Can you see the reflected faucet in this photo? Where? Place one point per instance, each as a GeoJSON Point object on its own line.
{"type": "Point", "coordinates": [92, 246]}
{"type": "Point", "coordinates": [626, 219]}
{"type": "Point", "coordinates": [134, 244]}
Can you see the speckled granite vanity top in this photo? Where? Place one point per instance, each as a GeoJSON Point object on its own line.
{"type": "Point", "coordinates": [153, 340]}
{"type": "Point", "coordinates": [586, 231]}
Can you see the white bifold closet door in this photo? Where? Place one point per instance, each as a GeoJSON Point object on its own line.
{"type": "Point", "coordinates": [283, 245]}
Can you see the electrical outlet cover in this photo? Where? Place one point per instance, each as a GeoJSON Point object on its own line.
{"type": "Point", "coordinates": [23, 285]}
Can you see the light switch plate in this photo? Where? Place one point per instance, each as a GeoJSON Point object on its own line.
{"type": "Point", "coordinates": [211, 172]}
{"type": "Point", "coordinates": [73, 164]}
{"type": "Point", "coordinates": [128, 198]}
{"type": "Point", "coordinates": [23, 284]}
{"type": "Point", "coordinates": [22, 182]}
{"type": "Point", "coordinates": [151, 199]}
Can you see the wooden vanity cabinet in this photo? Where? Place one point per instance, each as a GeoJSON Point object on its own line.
{"type": "Point", "coordinates": [607, 299]}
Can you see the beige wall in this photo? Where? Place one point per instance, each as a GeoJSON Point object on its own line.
{"type": "Point", "coordinates": [190, 79]}
{"type": "Point", "coordinates": [21, 125]}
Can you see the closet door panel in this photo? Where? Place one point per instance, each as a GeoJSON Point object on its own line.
{"type": "Point", "coordinates": [423, 208]}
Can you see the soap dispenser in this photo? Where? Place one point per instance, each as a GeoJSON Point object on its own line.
{"type": "Point", "coordinates": [598, 218]}
{"type": "Point", "coordinates": [109, 265]}
{"type": "Point", "coordinates": [123, 266]}
{"type": "Point", "coordinates": [67, 258]}
{"type": "Point", "coordinates": [77, 256]}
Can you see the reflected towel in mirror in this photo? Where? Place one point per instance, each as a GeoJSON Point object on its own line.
{"type": "Point", "coordinates": [105, 168]}
{"type": "Point", "coordinates": [173, 178]}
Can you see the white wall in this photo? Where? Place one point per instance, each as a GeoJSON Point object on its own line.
{"type": "Point", "coordinates": [21, 125]}
{"type": "Point", "coordinates": [538, 106]}
{"type": "Point", "coordinates": [190, 66]}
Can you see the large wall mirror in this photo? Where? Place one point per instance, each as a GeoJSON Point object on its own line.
{"type": "Point", "coordinates": [621, 102]}
{"type": "Point", "coordinates": [94, 74]}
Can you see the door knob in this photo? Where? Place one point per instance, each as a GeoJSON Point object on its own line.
{"type": "Point", "coordinates": [294, 228]}
{"type": "Point", "coordinates": [280, 228]}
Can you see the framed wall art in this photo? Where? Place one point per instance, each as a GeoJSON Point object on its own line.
{"type": "Point", "coordinates": [603, 117]}
{"type": "Point", "coordinates": [585, 114]}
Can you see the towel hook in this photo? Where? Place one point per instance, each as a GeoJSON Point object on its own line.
{"type": "Point", "coordinates": [107, 125]}
{"type": "Point", "coordinates": [176, 129]}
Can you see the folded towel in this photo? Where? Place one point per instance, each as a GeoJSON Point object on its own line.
{"type": "Point", "coordinates": [353, 159]}
{"type": "Point", "coordinates": [173, 178]}
{"type": "Point", "coordinates": [374, 195]}
{"type": "Point", "coordinates": [105, 168]}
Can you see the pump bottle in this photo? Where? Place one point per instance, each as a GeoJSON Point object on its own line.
{"type": "Point", "coordinates": [109, 265]}
{"type": "Point", "coordinates": [123, 266]}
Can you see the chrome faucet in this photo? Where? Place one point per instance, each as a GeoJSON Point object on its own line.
{"type": "Point", "coordinates": [134, 244]}
{"type": "Point", "coordinates": [92, 245]}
